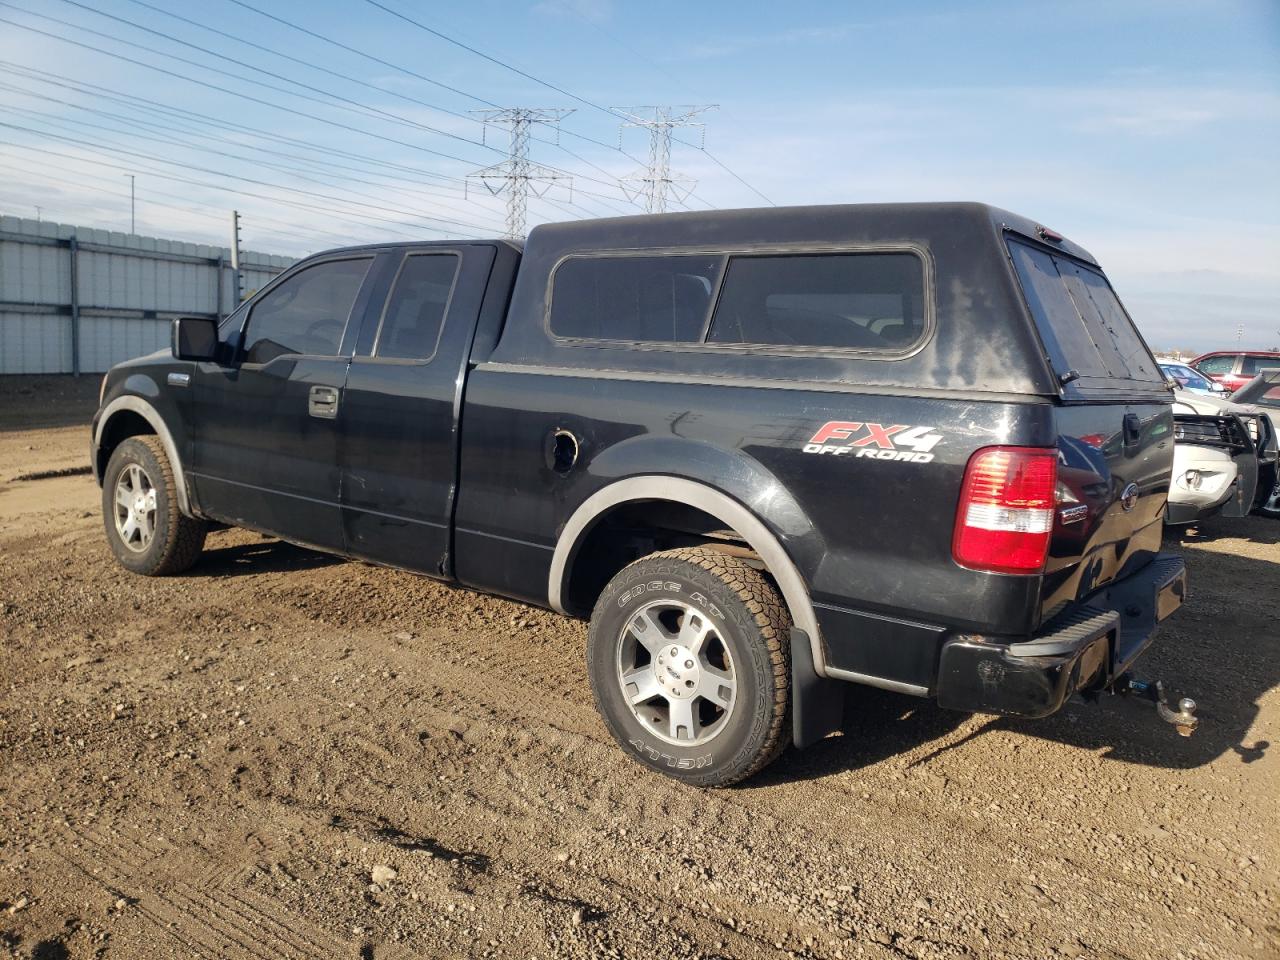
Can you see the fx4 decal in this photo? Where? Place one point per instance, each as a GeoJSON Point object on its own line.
{"type": "Point", "coordinates": [874, 440]}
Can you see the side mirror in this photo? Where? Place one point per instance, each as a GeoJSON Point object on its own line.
{"type": "Point", "coordinates": [195, 338]}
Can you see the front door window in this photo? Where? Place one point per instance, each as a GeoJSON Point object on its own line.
{"type": "Point", "coordinates": [306, 313]}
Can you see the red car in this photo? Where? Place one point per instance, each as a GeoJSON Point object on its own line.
{"type": "Point", "coordinates": [1234, 368]}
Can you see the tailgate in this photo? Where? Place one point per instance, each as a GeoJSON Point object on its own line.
{"type": "Point", "coordinates": [1114, 466]}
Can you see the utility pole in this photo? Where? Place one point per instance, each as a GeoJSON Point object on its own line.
{"type": "Point", "coordinates": [38, 209]}
{"type": "Point", "coordinates": [516, 176]}
{"type": "Point", "coordinates": [132, 223]}
{"type": "Point", "coordinates": [235, 257]}
{"type": "Point", "coordinates": [657, 183]}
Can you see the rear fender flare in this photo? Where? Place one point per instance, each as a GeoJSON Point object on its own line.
{"type": "Point", "coordinates": [724, 508]}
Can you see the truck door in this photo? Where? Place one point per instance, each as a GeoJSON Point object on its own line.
{"type": "Point", "coordinates": [265, 439]}
{"type": "Point", "coordinates": [399, 420]}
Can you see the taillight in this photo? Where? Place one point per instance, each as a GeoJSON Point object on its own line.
{"type": "Point", "coordinates": [1006, 509]}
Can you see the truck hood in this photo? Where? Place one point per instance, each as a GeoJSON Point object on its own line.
{"type": "Point", "coordinates": [1185, 401]}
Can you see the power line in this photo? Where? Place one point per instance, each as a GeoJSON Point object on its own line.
{"type": "Point", "coordinates": [361, 53]}
{"type": "Point", "coordinates": [361, 108]}
{"type": "Point", "coordinates": [303, 62]}
{"type": "Point", "coordinates": [234, 93]}
{"type": "Point", "coordinates": [372, 86]}
{"type": "Point", "coordinates": [240, 95]}
{"type": "Point", "coordinates": [358, 109]}
{"type": "Point", "coordinates": [134, 102]}
{"type": "Point", "coordinates": [413, 73]}
{"type": "Point", "coordinates": [217, 186]}
{"type": "Point", "coordinates": [639, 55]}
{"type": "Point", "coordinates": [550, 86]}
{"type": "Point", "coordinates": [44, 175]}
{"type": "Point", "coordinates": [485, 56]}
{"type": "Point", "coordinates": [137, 103]}
{"type": "Point", "coordinates": [117, 148]}
{"type": "Point", "coordinates": [723, 166]}
{"type": "Point", "coordinates": [232, 176]}
{"type": "Point", "coordinates": [243, 96]}
{"type": "Point", "coordinates": [75, 124]}
{"type": "Point", "coordinates": [258, 217]}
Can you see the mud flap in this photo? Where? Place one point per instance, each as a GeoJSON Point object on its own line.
{"type": "Point", "coordinates": [817, 703]}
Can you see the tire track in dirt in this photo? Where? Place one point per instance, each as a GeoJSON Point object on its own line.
{"type": "Point", "coordinates": [214, 920]}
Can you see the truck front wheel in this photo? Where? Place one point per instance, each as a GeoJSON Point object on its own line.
{"type": "Point", "coordinates": [688, 659]}
{"type": "Point", "coordinates": [147, 532]}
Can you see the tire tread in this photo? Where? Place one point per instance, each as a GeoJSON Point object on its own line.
{"type": "Point", "coordinates": [185, 535]}
{"type": "Point", "coordinates": [762, 601]}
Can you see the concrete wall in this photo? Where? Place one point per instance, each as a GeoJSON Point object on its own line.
{"type": "Point", "coordinates": [127, 289]}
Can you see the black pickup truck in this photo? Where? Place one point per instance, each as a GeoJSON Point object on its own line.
{"type": "Point", "coordinates": [916, 446]}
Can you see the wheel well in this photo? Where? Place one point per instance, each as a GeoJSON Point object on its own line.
{"type": "Point", "coordinates": [636, 529]}
{"type": "Point", "coordinates": [122, 425]}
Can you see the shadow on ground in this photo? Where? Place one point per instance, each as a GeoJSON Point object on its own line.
{"type": "Point", "coordinates": [265, 556]}
{"type": "Point", "coordinates": [1218, 649]}
{"type": "Point", "coordinates": [1254, 529]}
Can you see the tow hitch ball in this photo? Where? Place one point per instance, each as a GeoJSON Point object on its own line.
{"type": "Point", "coordinates": [1184, 719]}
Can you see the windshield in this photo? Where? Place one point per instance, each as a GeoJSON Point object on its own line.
{"type": "Point", "coordinates": [1264, 390]}
{"type": "Point", "coordinates": [1186, 377]}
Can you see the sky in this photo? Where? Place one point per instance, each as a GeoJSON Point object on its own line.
{"type": "Point", "coordinates": [1146, 130]}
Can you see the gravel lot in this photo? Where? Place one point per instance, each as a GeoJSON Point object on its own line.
{"type": "Point", "coordinates": [284, 755]}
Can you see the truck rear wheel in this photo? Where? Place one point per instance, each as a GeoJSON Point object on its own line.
{"type": "Point", "coordinates": [688, 659]}
{"type": "Point", "coordinates": [147, 532]}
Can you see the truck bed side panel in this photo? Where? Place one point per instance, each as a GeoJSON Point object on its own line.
{"type": "Point", "coordinates": [869, 530]}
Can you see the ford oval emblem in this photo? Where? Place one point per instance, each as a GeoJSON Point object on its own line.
{"type": "Point", "coordinates": [1129, 498]}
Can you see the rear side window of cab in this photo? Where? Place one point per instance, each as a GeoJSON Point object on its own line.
{"type": "Point", "coordinates": [873, 302]}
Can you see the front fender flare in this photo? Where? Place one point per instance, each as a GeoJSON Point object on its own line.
{"type": "Point", "coordinates": [151, 415]}
{"type": "Point", "coordinates": [724, 508]}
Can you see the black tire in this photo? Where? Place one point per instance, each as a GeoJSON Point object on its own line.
{"type": "Point", "coordinates": [176, 540]}
{"type": "Point", "coordinates": [749, 629]}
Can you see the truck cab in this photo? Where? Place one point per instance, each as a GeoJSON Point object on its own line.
{"type": "Point", "coordinates": [766, 452]}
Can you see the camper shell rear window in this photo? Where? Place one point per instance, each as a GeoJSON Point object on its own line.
{"type": "Point", "coordinates": [1090, 340]}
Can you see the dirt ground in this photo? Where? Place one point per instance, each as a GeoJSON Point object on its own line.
{"type": "Point", "coordinates": [221, 764]}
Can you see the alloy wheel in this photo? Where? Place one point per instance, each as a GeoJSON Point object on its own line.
{"type": "Point", "coordinates": [135, 508]}
{"type": "Point", "coordinates": [676, 672]}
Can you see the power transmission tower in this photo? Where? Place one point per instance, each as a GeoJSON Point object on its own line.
{"type": "Point", "coordinates": [657, 183]}
{"type": "Point", "coordinates": [517, 176]}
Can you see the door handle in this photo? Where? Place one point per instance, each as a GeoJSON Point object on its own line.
{"type": "Point", "coordinates": [322, 402]}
